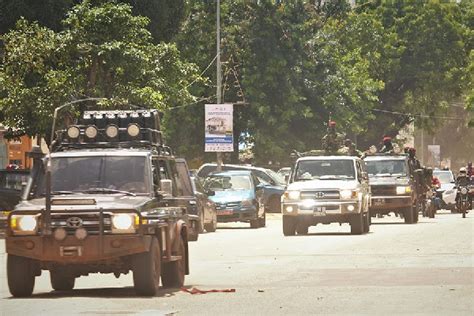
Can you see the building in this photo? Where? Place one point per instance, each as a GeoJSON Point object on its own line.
{"type": "Point", "coordinates": [14, 151]}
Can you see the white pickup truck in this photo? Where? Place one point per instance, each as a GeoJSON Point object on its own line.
{"type": "Point", "coordinates": [324, 190]}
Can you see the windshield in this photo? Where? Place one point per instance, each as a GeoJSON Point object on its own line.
{"type": "Point", "coordinates": [325, 169]}
{"type": "Point", "coordinates": [99, 174]}
{"type": "Point", "coordinates": [276, 176]}
{"type": "Point", "coordinates": [444, 177]}
{"type": "Point", "coordinates": [386, 167]}
{"type": "Point", "coordinates": [228, 182]}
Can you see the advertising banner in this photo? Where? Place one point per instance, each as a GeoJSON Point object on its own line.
{"type": "Point", "coordinates": [218, 128]}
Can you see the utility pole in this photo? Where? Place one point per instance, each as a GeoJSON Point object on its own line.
{"type": "Point", "coordinates": [218, 63]}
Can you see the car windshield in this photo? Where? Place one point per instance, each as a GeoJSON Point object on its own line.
{"type": "Point", "coordinates": [277, 177]}
{"type": "Point", "coordinates": [444, 177]}
{"type": "Point", "coordinates": [228, 182]}
{"type": "Point", "coordinates": [324, 170]}
{"type": "Point", "coordinates": [380, 168]}
{"type": "Point", "coordinates": [99, 174]}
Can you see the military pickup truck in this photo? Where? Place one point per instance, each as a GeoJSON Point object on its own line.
{"type": "Point", "coordinates": [324, 190]}
{"type": "Point", "coordinates": [393, 186]}
{"type": "Point", "coordinates": [106, 200]}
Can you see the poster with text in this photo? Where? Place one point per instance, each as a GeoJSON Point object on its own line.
{"type": "Point", "coordinates": [218, 126]}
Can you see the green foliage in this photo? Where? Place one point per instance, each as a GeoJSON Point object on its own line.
{"type": "Point", "coordinates": [103, 51]}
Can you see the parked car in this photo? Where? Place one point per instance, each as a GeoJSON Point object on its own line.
{"type": "Point", "coordinates": [273, 184]}
{"type": "Point", "coordinates": [284, 172]}
{"type": "Point", "coordinates": [206, 208]}
{"type": "Point", "coordinates": [11, 187]}
{"type": "Point", "coordinates": [238, 197]}
{"type": "Point", "coordinates": [447, 192]}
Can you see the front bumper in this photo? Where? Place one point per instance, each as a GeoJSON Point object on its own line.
{"type": "Point", "coordinates": [72, 250]}
{"type": "Point", "coordinates": [390, 202]}
{"type": "Point", "coordinates": [320, 208]}
{"type": "Point", "coordinates": [237, 215]}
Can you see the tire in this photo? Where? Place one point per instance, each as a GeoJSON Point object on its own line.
{"type": "Point", "coordinates": [146, 269]}
{"type": "Point", "coordinates": [274, 205]}
{"type": "Point", "coordinates": [254, 223]}
{"type": "Point", "coordinates": [201, 223]}
{"type": "Point", "coordinates": [61, 281]}
{"type": "Point", "coordinates": [409, 215]}
{"type": "Point", "coordinates": [262, 222]}
{"type": "Point", "coordinates": [21, 279]}
{"type": "Point", "coordinates": [357, 224]}
{"type": "Point", "coordinates": [174, 272]}
{"type": "Point", "coordinates": [212, 226]}
{"type": "Point", "coordinates": [302, 229]}
{"type": "Point", "coordinates": [193, 236]}
{"type": "Point", "coordinates": [289, 225]}
{"type": "Point", "coordinates": [366, 223]}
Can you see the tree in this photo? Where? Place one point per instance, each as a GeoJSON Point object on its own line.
{"type": "Point", "coordinates": [104, 51]}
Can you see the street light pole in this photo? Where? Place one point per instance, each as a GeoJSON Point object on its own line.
{"type": "Point", "coordinates": [218, 62]}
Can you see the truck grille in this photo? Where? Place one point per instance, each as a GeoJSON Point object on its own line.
{"type": "Point", "coordinates": [384, 190]}
{"type": "Point", "coordinates": [320, 195]}
{"type": "Point", "coordinates": [90, 221]}
{"type": "Point", "coordinates": [227, 206]}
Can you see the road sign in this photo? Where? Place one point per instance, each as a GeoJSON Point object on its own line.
{"type": "Point", "coordinates": [219, 128]}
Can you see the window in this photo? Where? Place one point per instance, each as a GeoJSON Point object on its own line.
{"type": "Point", "coordinates": [184, 184]}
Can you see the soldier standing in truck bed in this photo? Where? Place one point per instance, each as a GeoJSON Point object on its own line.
{"type": "Point", "coordinates": [332, 141]}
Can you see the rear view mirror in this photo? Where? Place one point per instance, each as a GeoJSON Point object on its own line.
{"type": "Point", "coordinates": [166, 186]}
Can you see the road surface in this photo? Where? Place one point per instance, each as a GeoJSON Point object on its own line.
{"type": "Point", "coordinates": [426, 268]}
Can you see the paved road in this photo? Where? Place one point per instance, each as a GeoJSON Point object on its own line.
{"type": "Point", "coordinates": [427, 268]}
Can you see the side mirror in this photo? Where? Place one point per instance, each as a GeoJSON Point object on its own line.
{"type": "Point", "coordinates": [210, 192]}
{"type": "Point", "coordinates": [260, 186]}
{"type": "Point", "coordinates": [166, 186]}
{"type": "Point", "coordinates": [287, 177]}
{"type": "Point", "coordinates": [365, 175]}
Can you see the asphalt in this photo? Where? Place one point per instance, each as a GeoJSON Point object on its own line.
{"type": "Point", "coordinates": [421, 269]}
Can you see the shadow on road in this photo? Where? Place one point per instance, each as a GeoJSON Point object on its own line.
{"type": "Point", "coordinates": [400, 223]}
{"type": "Point", "coordinates": [125, 292]}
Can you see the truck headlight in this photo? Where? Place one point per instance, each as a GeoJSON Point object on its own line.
{"type": "Point", "coordinates": [292, 195]}
{"type": "Point", "coordinates": [124, 223]}
{"type": "Point", "coordinates": [403, 190]}
{"type": "Point", "coordinates": [24, 224]}
{"type": "Point", "coordinates": [348, 194]}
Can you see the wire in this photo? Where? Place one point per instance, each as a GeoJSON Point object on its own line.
{"type": "Point", "coordinates": [420, 115]}
{"type": "Point", "coordinates": [194, 103]}
{"type": "Point", "coordinates": [202, 73]}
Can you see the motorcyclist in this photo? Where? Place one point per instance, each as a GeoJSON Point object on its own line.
{"type": "Point", "coordinates": [387, 145]}
{"type": "Point", "coordinates": [470, 171]}
{"type": "Point", "coordinates": [462, 179]}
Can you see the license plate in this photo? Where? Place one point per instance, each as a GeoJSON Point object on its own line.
{"type": "Point", "coordinates": [319, 211]}
{"type": "Point", "coordinates": [378, 202]}
{"type": "Point", "coordinates": [225, 212]}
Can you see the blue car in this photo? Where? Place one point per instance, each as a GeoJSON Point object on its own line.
{"type": "Point", "coordinates": [238, 197]}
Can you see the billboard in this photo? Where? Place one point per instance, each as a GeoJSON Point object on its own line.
{"type": "Point", "coordinates": [218, 124]}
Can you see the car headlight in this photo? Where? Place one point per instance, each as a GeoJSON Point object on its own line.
{"type": "Point", "coordinates": [292, 195]}
{"type": "Point", "coordinates": [24, 224]}
{"type": "Point", "coordinates": [124, 223]}
{"type": "Point", "coordinates": [403, 190]}
{"type": "Point", "coordinates": [247, 203]}
{"type": "Point", "coordinates": [348, 194]}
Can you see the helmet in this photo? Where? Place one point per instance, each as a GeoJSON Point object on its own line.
{"type": "Point", "coordinates": [387, 139]}
{"type": "Point", "coordinates": [469, 164]}
{"type": "Point", "coordinates": [462, 170]}
{"type": "Point", "coordinates": [347, 142]}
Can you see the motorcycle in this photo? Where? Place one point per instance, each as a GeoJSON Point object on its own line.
{"type": "Point", "coordinates": [463, 202]}
{"type": "Point", "coordinates": [431, 204]}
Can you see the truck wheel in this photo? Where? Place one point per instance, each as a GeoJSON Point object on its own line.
{"type": "Point", "coordinates": [174, 271]}
{"type": "Point", "coordinates": [409, 215]}
{"type": "Point", "coordinates": [289, 225]}
{"type": "Point", "coordinates": [61, 281]}
{"type": "Point", "coordinates": [21, 279]}
{"type": "Point", "coordinates": [274, 204]}
{"type": "Point", "coordinates": [262, 222]}
{"type": "Point", "coordinates": [302, 229]}
{"type": "Point", "coordinates": [146, 269]}
{"type": "Point", "coordinates": [366, 222]}
{"type": "Point", "coordinates": [212, 226]}
{"type": "Point", "coordinates": [357, 224]}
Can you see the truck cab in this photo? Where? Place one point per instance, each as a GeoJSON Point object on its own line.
{"type": "Point", "coordinates": [106, 200]}
{"type": "Point", "coordinates": [324, 190]}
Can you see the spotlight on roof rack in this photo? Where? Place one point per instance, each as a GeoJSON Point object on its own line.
{"type": "Point", "coordinates": [133, 130]}
{"type": "Point", "coordinates": [112, 131]}
{"type": "Point", "coordinates": [91, 132]}
{"type": "Point", "coordinates": [73, 132]}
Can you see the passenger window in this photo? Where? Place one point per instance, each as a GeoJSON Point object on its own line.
{"type": "Point", "coordinates": [184, 184]}
{"type": "Point", "coordinates": [263, 177]}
